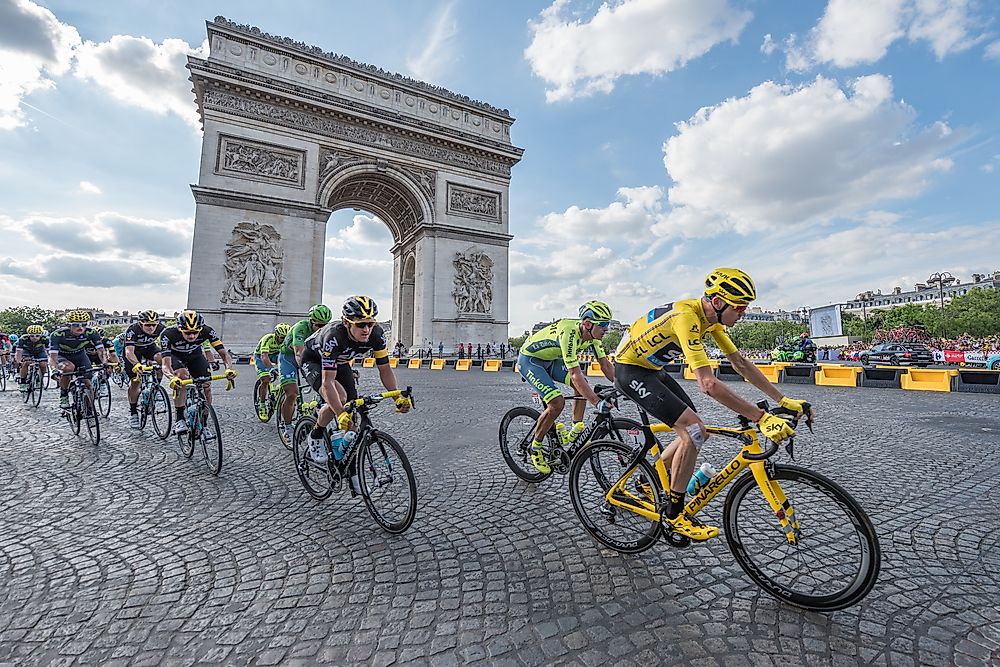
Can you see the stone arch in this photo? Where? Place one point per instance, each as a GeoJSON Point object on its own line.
{"type": "Point", "coordinates": [292, 133]}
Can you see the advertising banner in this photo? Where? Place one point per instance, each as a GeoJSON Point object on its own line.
{"type": "Point", "coordinates": [825, 322]}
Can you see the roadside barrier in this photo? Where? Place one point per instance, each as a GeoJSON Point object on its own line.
{"type": "Point", "coordinates": [594, 369]}
{"type": "Point", "coordinates": [882, 377]}
{"type": "Point", "coordinates": [977, 381]}
{"type": "Point", "coordinates": [771, 372]}
{"type": "Point", "coordinates": [712, 363]}
{"type": "Point", "coordinates": [463, 364]}
{"type": "Point", "coordinates": [437, 364]}
{"type": "Point", "coordinates": [928, 379]}
{"type": "Point", "coordinates": [725, 371]}
{"type": "Point", "coordinates": [799, 374]}
{"type": "Point", "coordinates": [837, 376]}
{"type": "Point", "coordinates": [414, 363]}
{"type": "Point", "coordinates": [393, 362]}
{"type": "Point", "coordinates": [368, 363]}
{"type": "Point", "coordinates": [491, 365]}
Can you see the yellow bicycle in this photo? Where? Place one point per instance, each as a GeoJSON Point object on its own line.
{"type": "Point", "coordinates": [802, 538]}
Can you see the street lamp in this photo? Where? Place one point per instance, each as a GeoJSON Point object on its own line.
{"type": "Point", "coordinates": [941, 278]}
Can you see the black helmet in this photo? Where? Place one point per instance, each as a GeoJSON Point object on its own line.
{"type": "Point", "coordinates": [360, 308]}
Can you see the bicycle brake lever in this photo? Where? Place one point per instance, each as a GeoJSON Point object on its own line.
{"type": "Point", "coordinates": [790, 448]}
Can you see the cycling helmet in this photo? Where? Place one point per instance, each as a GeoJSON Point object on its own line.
{"type": "Point", "coordinates": [34, 330]}
{"type": "Point", "coordinates": [149, 317]}
{"type": "Point", "coordinates": [320, 313]}
{"type": "Point", "coordinates": [804, 334]}
{"type": "Point", "coordinates": [597, 311]}
{"type": "Point", "coordinates": [281, 330]}
{"type": "Point", "coordinates": [190, 320]}
{"type": "Point", "coordinates": [77, 317]}
{"type": "Point", "coordinates": [360, 308]}
{"type": "Point", "coordinates": [731, 285]}
{"type": "Point", "coordinates": [99, 331]}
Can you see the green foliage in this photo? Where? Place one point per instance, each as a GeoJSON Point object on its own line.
{"type": "Point", "coordinates": [113, 330]}
{"type": "Point", "coordinates": [611, 340]}
{"type": "Point", "coordinates": [764, 335]}
{"type": "Point", "coordinates": [17, 318]}
{"type": "Point", "coordinates": [976, 314]}
{"type": "Point", "coordinates": [518, 341]}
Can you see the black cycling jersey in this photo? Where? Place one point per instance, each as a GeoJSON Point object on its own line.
{"type": "Point", "coordinates": [62, 341]}
{"type": "Point", "coordinates": [33, 347]}
{"type": "Point", "coordinates": [333, 345]}
{"type": "Point", "coordinates": [172, 341]}
{"type": "Point", "coordinates": [137, 337]}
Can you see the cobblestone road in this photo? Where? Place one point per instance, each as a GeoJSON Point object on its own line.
{"type": "Point", "coordinates": [129, 554]}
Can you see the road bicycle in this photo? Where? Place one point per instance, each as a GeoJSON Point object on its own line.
{"type": "Point", "coordinates": [374, 462]}
{"type": "Point", "coordinates": [81, 408]}
{"type": "Point", "coordinates": [119, 378]}
{"type": "Point", "coordinates": [270, 399]}
{"type": "Point", "coordinates": [202, 423]}
{"type": "Point", "coordinates": [154, 403]}
{"type": "Point", "coordinates": [802, 538]}
{"type": "Point", "coordinates": [31, 390]}
{"type": "Point", "coordinates": [102, 389]}
{"type": "Point", "coordinates": [303, 408]}
{"type": "Point", "coordinates": [4, 372]}
{"type": "Point", "coordinates": [517, 430]}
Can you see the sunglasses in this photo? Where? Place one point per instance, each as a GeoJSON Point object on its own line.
{"type": "Point", "coordinates": [604, 324]}
{"type": "Point", "coordinates": [364, 325]}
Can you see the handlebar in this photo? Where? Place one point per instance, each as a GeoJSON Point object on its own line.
{"type": "Point", "coordinates": [793, 418]}
{"type": "Point", "coordinates": [374, 399]}
{"type": "Point", "coordinates": [176, 382]}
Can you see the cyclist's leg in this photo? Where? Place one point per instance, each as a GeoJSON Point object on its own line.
{"type": "Point", "coordinates": [537, 374]}
{"type": "Point", "coordinates": [22, 365]}
{"type": "Point", "coordinates": [264, 375]}
{"type": "Point", "coordinates": [134, 386]}
{"type": "Point", "coordinates": [289, 385]}
{"type": "Point", "coordinates": [198, 367]}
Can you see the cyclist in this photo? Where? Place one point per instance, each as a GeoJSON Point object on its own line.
{"type": "Point", "coordinates": [290, 358]}
{"type": "Point", "coordinates": [267, 347]}
{"type": "Point", "coordinates": [551, 355]}
{"type": "Point", "coordinates": [68, 350]}
{"type": "Point", "coordinates": [140, 350]}
{"type": "Point", "coordinates": [6, 344]}
{"type": "Point", "coordinates": [325, 367]}
{"type": "Point", "coordinates": [660, 337]}
{"type": "Point", "coordinates": [31, 346]}
{"type": "Point", "coordinates": [109, 349]}
{"type": "Point", "coordinates": [182, 357]}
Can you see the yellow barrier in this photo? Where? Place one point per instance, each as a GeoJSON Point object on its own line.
{"type": "Point", "coordinates": [437, 364]}
{"type": "Point", "coordinates": [517, 367]}
{"type": "Point", "coordinates": [927, 379]}
{"type": "Point", "coordinates": [414, 363]}
{"type": "Point", "coordinates": [492, 365]}
{"type": "Point", "coordinates": [838, 376]}
{"type": "Point", "coordinates": [689, 374]}
{"type": "Point", "coordinates": [350, 362]}
{"type": "Point", "coordinates": [463, 364]}
{"type": "Point", "coordinates": [594, 369]}
{"type": "Point", "coordinates": [770, 371]}
{"type": "Point", "coordinates": [393, 362]}
{"type": "Point", "coordinates": [369, 362]}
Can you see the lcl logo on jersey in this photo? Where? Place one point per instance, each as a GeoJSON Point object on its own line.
{"type": "Point", "coordinates": [639, 388]}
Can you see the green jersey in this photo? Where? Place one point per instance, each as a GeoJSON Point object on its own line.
{"type": "Point", "coordinates": [297, 336]}
{"type": "Point", "coordinates": [560, 339]}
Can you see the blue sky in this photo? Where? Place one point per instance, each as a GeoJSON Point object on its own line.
{"type": "Point", "coordinates": [826, 148]}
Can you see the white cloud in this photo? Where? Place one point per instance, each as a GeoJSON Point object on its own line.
{"type": "Point", "coordinates": [993, 51]}
{"type": "Point", "coordinates": [34, 46]}
{"type": "Point", "coordinates": [88, 188]}
{"type": "Point", "coordinates": [436, 55]}
{"type": "Point", "coordinates": [859, 32]}
{"type": "Point", "coordinates": [579, 58]}
{"type": "Point", "coordinates": [786, 155]}
{"type": "Point", "coordinates": [107, 234]}
{"type": "Point", "coordinates": [991, 166]}
{"type": "Point", "coordinates": [65, 269]}
{"type": "Point", "coordinates": [141, 73]}
{"type": "Point", "coordinates": [365, 230]}
{"type": "Point", "coordinates": [629, 218]}
{"type": "Point", "coordinates": [768, 46]}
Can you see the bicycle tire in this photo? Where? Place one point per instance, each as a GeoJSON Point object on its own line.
{"type": "Point", "coordinates": [47, 380]}
{"type": "Point", "coordinates": [314, 477]}
{"type": "Point", "coordinates": [623, 429]}
{"type": "Point", "coordinates": [92, 418]}
{"type": "Point", "coordinates": [851, 516]}
{"type": "Point", "coordinates": [26, 395]}
{"type": "Point", "coordinates": [35, 387]}
{"type": "Point", "coordinates": [102, 394]}
{"type": "Point", "coordinates": [186, 440]}
{"type": "Point", "coordinates": [376, 473]}
{"type": "Point", "coordinates": [160, 410]}
{"type": "Point", "coordinates": [256, 402]}
{"type": "Point", "coordinates": [631, 532]}
{"type": "Point", "coordinates": [3, 377]}
{"type": "Point", "coordinates": [518, 457]}
{"type": "Point", "coordinates": [145, 406]}
{"type": "Point", "coordinates": [74, 414]}
{"type": "Point", "coordinates": [210, 436]}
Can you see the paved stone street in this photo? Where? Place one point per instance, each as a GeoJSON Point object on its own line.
{"type": "Point", "coordinates": [129, 554]}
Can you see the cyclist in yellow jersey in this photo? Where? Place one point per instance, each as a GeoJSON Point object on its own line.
{"type": "Point", "coordinates": [550, 355]}
{"type": "Point", "coordinates": [265, 357]}
{"type": "Point", "coordinates": [676, 329]}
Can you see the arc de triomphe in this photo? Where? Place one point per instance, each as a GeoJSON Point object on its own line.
{"type": "Point", "coordinates": [291, 134]}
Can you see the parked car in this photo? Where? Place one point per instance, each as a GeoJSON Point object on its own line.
{"type": "Point", "coordinates": [993, 362]}
{"type": "Point", "coordinates": [898, 354]}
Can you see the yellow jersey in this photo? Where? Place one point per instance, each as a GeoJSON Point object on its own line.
{"type": "Point", "coordinates": [671, 331]}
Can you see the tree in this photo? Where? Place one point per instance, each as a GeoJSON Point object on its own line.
{"type": "Point", "coordinates": [611, 340]}
{"type": "Point", "coordinates": [17, 318]}
{"type": "Point", "coordinates": [517, 341]}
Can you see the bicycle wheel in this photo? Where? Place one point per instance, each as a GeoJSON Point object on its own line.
{"type": "Point", "coordinates": [210, 437]}
{"type": "Point", "coordinates": [35, 388]}
{"type": "Point", "coordinates": [315, 477]}
{"type": "Point", "coordinates": [74, 413]}
{"type": "Point", "coordinates": [47, 380]}
{"type": "Point", "coordinates": [277, 422]}
{"type": "Point", "coordinates": [102, 395]}
{"type": "Point", "coordinates": [593, 472]}
{"type": "Point", "coordinates": [257, 402]}
{"type": "Point", "coordinates": [387, 483]}
{"type": "Point", "coordinates": [3, 377]}
{"type": "Point", "coordinates": [624, 430]}
{"type": "Point", "coordinates": [160, 411]}
{"type": "Point", "coordinates": [186, 440]}
{"type": "Point", "coordinates": [517, 430]}
{"type": "Point", "coordinates": [91, 418]}
{"type": "Point", "coordinates": [837, 557]}
{"type": "Point", "coordinates": [26, 389]}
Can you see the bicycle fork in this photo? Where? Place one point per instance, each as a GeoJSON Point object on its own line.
{"type": "Point", "coordinates": [776, 498]}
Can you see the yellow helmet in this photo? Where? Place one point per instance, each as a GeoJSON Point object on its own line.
{"type": "Point", "coordinates": [149, 317]}
{"type": "Point", "coordinates": [34, 330]}
{"type": "Point", "coordinates": [733, 286]}
{"type": "Point", "coordinates": [78, 317]}
{"type": "Point", "coordinates": [190, 320]}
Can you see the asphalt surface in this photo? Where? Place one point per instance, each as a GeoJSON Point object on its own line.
{"type": "Point", "coordinates": [129, 554]}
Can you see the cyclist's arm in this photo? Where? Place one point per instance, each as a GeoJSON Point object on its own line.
{"type": "Point", "coordinates": [328, 389]}
{"type": "Point", "coordinates": [607, 367]}
{"type": "Point", "coordinates": [266, 358]}
{"type": "Point", "coordinates": [752, 374]}
{"type": "Point", "coordinates": [718, 390]}
{"type": "Point", "coordinates": [568, 345]}
{"type": "Point", "coordinates": [387, 376]}
{"type": "Point", "coordinates": [17, 355]}
{"type": "Point", "coordinates": [130, 355]}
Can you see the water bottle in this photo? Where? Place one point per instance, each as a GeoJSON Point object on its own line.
{"type": "Point", "coordinates": [337, 444]}
{"type": "Point", "coordinates": [143, 396]}
{"type": "Point", "coordinates": [575, 431]}
{"type": "Point", "coordinates": [700, 478]}
{"type": "Point", "coordinates": [349, 438]}
{"type": "Point", "coordinates": [561, 432]}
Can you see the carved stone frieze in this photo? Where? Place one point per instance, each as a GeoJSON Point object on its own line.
{"type": "Point", "coordinates": [254, 264]}
{"type": "Point", "coordinates": [339, 129]}
{"type": "Point", "coordinates": [257, 161]}
{"type": "Point", "coordinates": [332, 160]}
{"type": "Point", "coordinates": [425, 178]}
{"type": "Point", "coordinates": [473, 291]}
{"type": "Point", "coordinates": [473, 202]}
